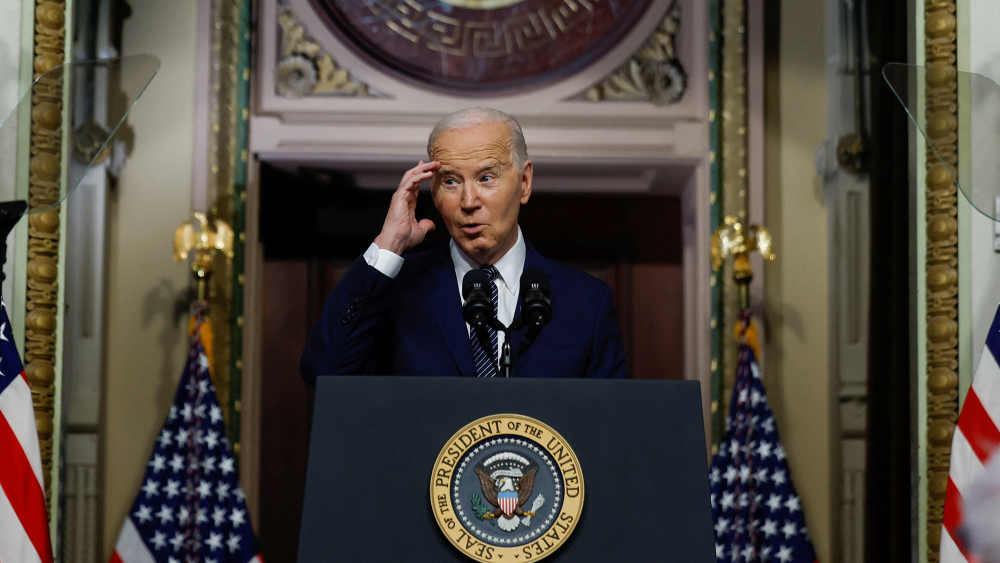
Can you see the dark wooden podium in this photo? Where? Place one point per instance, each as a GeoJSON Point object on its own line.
{"type": "Point", "coordinates": [375, 440]}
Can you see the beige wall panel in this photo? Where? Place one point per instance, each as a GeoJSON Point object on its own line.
{"type": "Point", "coordinates": [10, 92]}
{"type": "Point", "coordinates": [797, 374]}
{"type": "Point", "coordinates": [147, 291]}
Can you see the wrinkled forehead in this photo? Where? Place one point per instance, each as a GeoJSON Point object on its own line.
{"type": "Point", "coordinates": [479, 143]}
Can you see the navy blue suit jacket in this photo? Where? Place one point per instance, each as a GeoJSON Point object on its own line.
{"type": "Point", "coordinates": [413, 325]}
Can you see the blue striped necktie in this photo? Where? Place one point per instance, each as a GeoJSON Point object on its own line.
{"type": "Point", "coordinates": [485, 361]}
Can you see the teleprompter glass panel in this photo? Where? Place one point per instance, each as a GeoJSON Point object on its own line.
{"type": "Point", "coordinates": [923, 89]}
{"type": "Point", "coordinates": [65, 99]}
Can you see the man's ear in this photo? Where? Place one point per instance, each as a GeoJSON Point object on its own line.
{"type": "Point", "coordinates": [526, 177]}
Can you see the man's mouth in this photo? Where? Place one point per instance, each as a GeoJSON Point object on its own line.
{"type": "Point", "coordinates": [473, 228]}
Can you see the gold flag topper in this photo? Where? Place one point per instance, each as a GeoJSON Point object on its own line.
{"type": "Point", "coordinates": [731, 240]}
{"type": "Point", "coordinates": [205, 240]}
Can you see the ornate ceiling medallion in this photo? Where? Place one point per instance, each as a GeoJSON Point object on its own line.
{"type": "Point", "coordinates": [481, 47]}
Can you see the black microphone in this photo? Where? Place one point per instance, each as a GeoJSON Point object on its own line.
{"type": "Point", "coordinates": [478, 307]}
{"type": "Point", "coordinates": [536, 307]}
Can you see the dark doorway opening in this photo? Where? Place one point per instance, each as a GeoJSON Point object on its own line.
{"type": "Point", "coordinates": [315, 222]}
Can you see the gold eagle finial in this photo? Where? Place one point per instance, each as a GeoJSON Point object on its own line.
{"type": "Point", "coordinates": [205, 238]}
{"type": "Point", "coordinates": [730, 239]}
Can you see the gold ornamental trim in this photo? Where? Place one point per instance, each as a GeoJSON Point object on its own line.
{"type": "Point", "coordinates": [941, 280]}
{"type": "Point", "coordinates": [507, 487]}
{"type": "Point", "coordinates": [223, 162]}
{"type": "Point", "coordinates": [735, 180]}
{"type": "Point", "coordinates": [45, 174]}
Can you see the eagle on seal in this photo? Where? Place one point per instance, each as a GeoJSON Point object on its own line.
{"type": "Point", "coordinates": [509, 493]}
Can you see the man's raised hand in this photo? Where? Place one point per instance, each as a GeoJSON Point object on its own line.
{"type": "Point", "coordinates": [401, 230]}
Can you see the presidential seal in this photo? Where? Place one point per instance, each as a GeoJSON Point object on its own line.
{"type": "Point", "coordinates": [507, 488]}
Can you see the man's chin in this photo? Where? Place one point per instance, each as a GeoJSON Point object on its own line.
{"type": "Point", "coordinates": [476, 247]}
{"type": "Point", "coordinates": [478, 252]}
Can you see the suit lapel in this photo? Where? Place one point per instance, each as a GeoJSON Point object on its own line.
{"type": "Point", "coordinates": [441, 289]}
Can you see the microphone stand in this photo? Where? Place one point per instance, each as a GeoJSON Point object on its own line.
{"type": "Point", "coordinates": [506, 363]}
{"type": "Point", "coordinates": [505, 366]}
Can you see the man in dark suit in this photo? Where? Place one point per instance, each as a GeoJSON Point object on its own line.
{"type": "Point", "coordinates": [403, 316]}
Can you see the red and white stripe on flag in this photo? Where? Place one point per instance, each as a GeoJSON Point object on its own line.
{"type": "Point", "coordinates": [24, 526]}
{"type": "Point", "coordinates": [975, 439]}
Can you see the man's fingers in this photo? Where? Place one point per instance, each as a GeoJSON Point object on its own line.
{"type": "Point", "coordinates": [426, 225]}
{"type": "Point", "coordinates": [424, 170]}
{"type": "Point", "coordinates": [423, 167]}
{"type": "Point", "coordinates": [415, 181]}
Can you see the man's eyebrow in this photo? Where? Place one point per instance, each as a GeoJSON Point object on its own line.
{"type": "Point", "coordinates": [490, 166]}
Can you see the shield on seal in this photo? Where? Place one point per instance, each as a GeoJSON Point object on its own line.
{"type": "Point", "coordinates": [508, 502]}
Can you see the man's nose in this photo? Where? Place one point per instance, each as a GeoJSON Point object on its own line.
{"type": "Point", "coordinates": [470, 197]}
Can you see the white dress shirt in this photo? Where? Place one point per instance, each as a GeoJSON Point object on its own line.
{"type": "Point", "coordinates": [510, 266]}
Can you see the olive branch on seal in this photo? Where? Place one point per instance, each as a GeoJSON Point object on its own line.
{"type": "Point", "coordinates": [481, 510]}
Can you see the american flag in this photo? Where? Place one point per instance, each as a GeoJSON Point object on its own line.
{"type": "Point", "coordinates": [24, 525]}
{"type": "Point", "coordinates": [758, 517]}
{"type": "Point", "coordinates": [974, 440]}
{"type": "Point", "coordinates": [190, 508]}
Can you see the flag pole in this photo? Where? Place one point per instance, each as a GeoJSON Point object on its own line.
{"type": "Point", "coordinates": [756, 512]}
{"type": "Point", "coordinates": [731, 239]}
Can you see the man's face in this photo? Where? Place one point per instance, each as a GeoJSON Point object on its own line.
{"type": "Point", "coordinates": [478, 190]}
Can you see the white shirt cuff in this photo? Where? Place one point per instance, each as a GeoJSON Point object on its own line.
{"type": "Point", "coordinates": [385, 261]}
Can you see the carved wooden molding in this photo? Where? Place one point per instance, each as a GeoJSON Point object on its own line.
{"type": "Point", "coordinates": [305, 69]}
{"type": "Point", "coordinates": [940, 32]}
{"type": "Point", "coordinates": [653, 73]}
{"type": "Point", "coordinates": [43, 228]}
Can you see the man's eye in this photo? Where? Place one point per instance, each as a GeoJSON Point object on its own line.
{"type": "Point", "coordinates": [487, 178]}
{"type": "Point", "coordinates": [449, 182]}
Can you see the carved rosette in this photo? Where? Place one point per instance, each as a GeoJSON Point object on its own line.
{"type": "Point", "coordinates": [305, 69]}
{"type": "Point", "coordinates": [942, 259]}
{"type": "Point", "coordinates": [652, 74]}
{"type": "Point", "coordinates": [45, 173]}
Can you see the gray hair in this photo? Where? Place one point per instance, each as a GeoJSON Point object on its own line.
{"type": "Point", "coordinates": [471, 117]}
